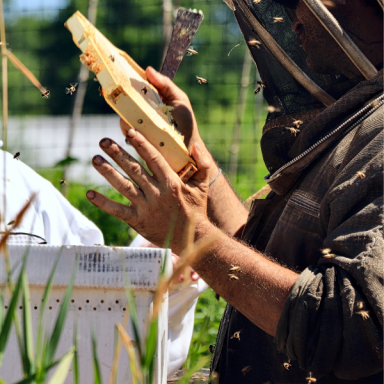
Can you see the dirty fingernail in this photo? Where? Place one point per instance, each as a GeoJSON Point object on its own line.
{"type": "Point", "coordinates": [131, 133]}
{"type": "Point", "coordinates": [91, 195]}
{"type": "Point", "coordinates": [105, 143]}
{"type": "Point", "coordinates": [98, 160]}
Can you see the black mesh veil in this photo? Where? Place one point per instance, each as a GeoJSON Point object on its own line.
{"type": "Point", "coordinates": [291, 101]}
{"type": "Point", "coordinates": [282, 90]}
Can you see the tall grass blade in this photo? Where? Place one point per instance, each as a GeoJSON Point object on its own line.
{"type": "Point", "coordinates": [29, 360]}
{"type": "Point", "coordinates": [7, 325]}
{"type": "Point", "coordinates": [96, 364]}
{"type": "Point", "coordinates": [60, 321]}
{"type": "Point", "coordinates": [47, 292]}
{"type": "Point", "coordinates": [76, 372]}
{"type": "Point", "coordinates": [116, 356]}
{"type": "Point", "coordinates": [61, 372]}
{"type": "Point", "coordinates": [137, 376]}
{"type": "Point", "coordinates": [200, 364]}
{"type": "Point", "coordinates": [134, 317]}
{"type": "Point", "coordinates": [148, 364]}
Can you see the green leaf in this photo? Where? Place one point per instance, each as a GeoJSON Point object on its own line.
{"type": "Point", "coordinates": [2, 381]}
{"type": "Point", "coordinates": [62, 370]}
{"type": "Point", "coordinates": [27, 327]}
{"type": "Point", "coordinates": [7, 325]}
{"type": "Point", "coordinates": [60, 321]}
{"type": "Point", "coordinates": [96, 364]}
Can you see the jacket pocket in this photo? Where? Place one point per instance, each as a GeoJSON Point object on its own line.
{"type": "Point", "coordinates": [296, 240]}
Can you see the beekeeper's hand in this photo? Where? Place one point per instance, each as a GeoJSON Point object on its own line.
{"type": "Point", "coordinates": [159, 201]}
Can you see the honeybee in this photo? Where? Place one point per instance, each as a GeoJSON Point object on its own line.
{"type": "Point", "coordinates": [310, 379]}
{"type": "Point", "coordinates": [16, 155]}
{"type": "Point", "coordinates": [71, 89]}
{"type": "Point", "coordinates": [234, 268]}
{"type": "Point", "coordinates": [11, 222]}
{"type": "Point", "coordinates": [257, 90]}
{"type": "Point", "coordinates": [191, 51]}
{"type": "Point", "coordinates": [363, 314]}
{"type": "Point", "coordinates": [246, 369]}
{"type": "Point", "coordinates": [293, 130]}
{"type": "Point", "coordinates": [236, 335]}
{"type": "Point", "coordinates": [201, 80]}
{"type": "Point", "coordinates": [326, 253]}
{"type": "Point", "coordinates": [254, 43]}
{"type": "Point", "coordinates": [144, 90]}
{"type": "Point", "coordinates": [62, 181]}
{"type": "Point", "coordinates": [46, 94]}
{"type": "Point", "coordinates": [278, 20]}
{"type": "Point", "coordinates": [233, 277]}
{"type": "Point", "coordinates": [112, 58]}
{"type": "Point", "coordinates": [361, 175]}
{"type": "Point", "coordinates": [286, 365]}
{"type": "Point", "coordinates": [297, 123]}
{"type": "Point", "coordinates": [256, 1]}
{"type": "Point", "coordinates": [261, 84]}
{"type": "Point", "coordinates": [101, 92]}
{"type": "Point", "coordinates": [359, 305]}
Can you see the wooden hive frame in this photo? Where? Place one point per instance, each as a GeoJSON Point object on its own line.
{"type": "Point", "coordinates": [127, 91]}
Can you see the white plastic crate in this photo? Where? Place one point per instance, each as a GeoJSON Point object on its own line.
{"type": "Point", "coordinates": [98, 302]}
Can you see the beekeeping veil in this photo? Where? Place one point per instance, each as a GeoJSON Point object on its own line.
{"type": "Point", "coordinates": [291, 88]}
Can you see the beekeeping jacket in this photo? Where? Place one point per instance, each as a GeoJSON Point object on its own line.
{"type": "Point", "coordinates": [327, 193]}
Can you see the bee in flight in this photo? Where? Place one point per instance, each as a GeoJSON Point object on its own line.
{"type": "Point", "coordinates": [261, 84]}
{"type": "Point", "coordinates": [278, 20]}
{"type": "Point", "coordinates": [201, 80]}
{"type": "Point", "coordinates": [62, 181]}
{"type": "Point", "coordinates": [191, 51]}
{"type": "Point", "coordinates": [71, 89]}
{"type": "Point", "coordinates": [16, 156]}
{"type": "Point", "coordinates": [257, 90]}
{"type": "Point", "coordinates": [46, 94]}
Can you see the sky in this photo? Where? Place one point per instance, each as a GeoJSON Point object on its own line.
{"type": "Point", "coordinates": [29, 5]}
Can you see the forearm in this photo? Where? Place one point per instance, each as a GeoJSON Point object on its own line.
{"type": "Point", "coordinates": [224, 207]}
{"type": "Point", "coordinates": [258, 288]}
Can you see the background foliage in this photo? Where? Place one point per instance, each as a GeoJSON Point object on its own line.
{"type": "Point", "coordinates": [42, 43]}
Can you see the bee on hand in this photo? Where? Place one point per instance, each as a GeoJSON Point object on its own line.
{"type": "Point", "coordinates": [71, 89]}
{"type": "Point", "coordinates": [46, 94]}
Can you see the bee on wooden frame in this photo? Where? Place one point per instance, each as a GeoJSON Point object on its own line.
{"type": "Point", "coordinates": [71, 89]}
{"type": "Point", "coordinates": [112, 58]}
{"type": "Point", "coordinates": [233, 277]}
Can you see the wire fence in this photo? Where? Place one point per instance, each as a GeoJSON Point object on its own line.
{"type": "Point", "coordinates": [229, 115]}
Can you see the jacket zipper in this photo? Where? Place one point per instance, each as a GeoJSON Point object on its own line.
{"type": "Point", "coordinates": [379, 101]}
